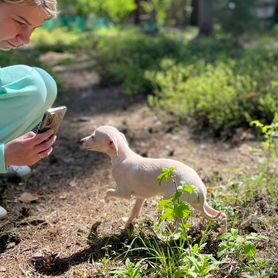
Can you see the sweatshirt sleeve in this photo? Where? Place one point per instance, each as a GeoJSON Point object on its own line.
{"type": "Point", "coordinates": [2, 159]}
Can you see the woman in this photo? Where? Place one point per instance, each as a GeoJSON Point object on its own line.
{"type": "Point", "coordinates": [25, 92]}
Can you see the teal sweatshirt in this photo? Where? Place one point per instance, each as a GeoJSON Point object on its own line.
{"type": "Point", "coordinates": [25, 94]}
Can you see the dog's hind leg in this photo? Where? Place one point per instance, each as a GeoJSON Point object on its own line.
{"type": "Point", "coordinates": [136, 210]}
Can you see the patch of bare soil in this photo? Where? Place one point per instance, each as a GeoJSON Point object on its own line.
{"type": "Point", "coordinates": [49, 234]}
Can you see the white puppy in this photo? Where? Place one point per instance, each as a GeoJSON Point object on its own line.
{"type": "Point", "coordinates": [136, 175]}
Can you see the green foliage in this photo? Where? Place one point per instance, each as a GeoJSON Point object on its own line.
{"type": "Point", "coordinates": [265, 182]}
{"type": "Point", "coordinates": [166, 174]}
{"type": "Point", "coordinates": [173, 209]}
{"type": "Point", "coordinates": [210, 94]}
{"type": "Point", "coordinates": [118, 10]}
{"type": "Point", "coordinates": [224, 94]}
{"type": "Point", "coordinates": [124, 56]}
{"type": "Point", "coordinates": [242, 247]}
{"type": "Point", "coordinates": [270, 133]}
{"type": "Point", "coordinates": [115, 10]}
{"type": "Point", "coordinates": [200, 265]}
{"type": "Point", "coordinates": [159, 7]}
{"type": "Point", "coordinates": [57, 39]}
{"type": "Point", "coordinates": [131, 270]}
{"type": "Point", "coordinates": [16, 57]}
{"type": "Point", "coordinates": [215, 83]}
{"type": "Point", "coordinates": [209, 82]}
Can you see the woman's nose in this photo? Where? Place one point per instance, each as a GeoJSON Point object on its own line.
{"type": "Point", "coordinates": [24, 37]}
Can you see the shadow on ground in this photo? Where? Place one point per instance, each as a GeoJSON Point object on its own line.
{"type": "Point", "coordinates": [117, 246]}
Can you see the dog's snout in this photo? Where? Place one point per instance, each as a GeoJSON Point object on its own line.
{"type": "Point", "coordinates": [81, 141]}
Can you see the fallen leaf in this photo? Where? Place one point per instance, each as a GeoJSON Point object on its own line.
{"type": "Point", "coordinates": [62, 197]}
{"type": "Point", "coordinates": [73, 183]}
{"type": "Point", "coordinates": [210, 189]}
{"type": "Point", "coordinates": [28, 197]}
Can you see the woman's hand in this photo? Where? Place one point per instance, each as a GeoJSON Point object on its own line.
{"type": "Point", "coordinates": [29, 148]}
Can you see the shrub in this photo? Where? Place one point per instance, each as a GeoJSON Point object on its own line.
{"type": "Point", "coordinates": [16, 57]}
{"type": "Point", "coordinates": [123, 58]}
{"type": "Point", "coordinates": [58, 39]}
{"type": "Point", "coordinates": [223, 94]}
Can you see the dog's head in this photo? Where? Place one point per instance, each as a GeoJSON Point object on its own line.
{"type": "Point", "coordinates": [105, 139]}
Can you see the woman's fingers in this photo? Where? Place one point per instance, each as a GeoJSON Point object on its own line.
{"type": "Point", "coordinates": [45, 145]}
{"type": "Point", "coordinates": [42, 137]}
{"type": "Point", "coordinates": [45, 153]}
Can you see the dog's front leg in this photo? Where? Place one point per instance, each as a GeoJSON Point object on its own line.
{"type": "Point", "coordinates": [135, 211]}
{"type": "Point", "coordinates": [116, 194]}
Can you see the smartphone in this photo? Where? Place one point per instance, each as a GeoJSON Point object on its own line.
{"type": "Point", "coordinates": [52, 119]}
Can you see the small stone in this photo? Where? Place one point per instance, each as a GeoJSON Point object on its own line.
{"type": "Point", "coordinates": [253, 224]}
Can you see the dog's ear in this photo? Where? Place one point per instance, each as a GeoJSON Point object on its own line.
{"type": "Point", "coordinates": [113, 144]}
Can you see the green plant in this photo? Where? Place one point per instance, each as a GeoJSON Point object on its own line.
{"type": "Point", "coordinates": [270, 133]}
{"type": "Point", "coordinates": [117, 11]}
{"type": "Point", "coordinates": [16, 57]}
{"type": "Point", "coordinates": [242, 248]}
{"type": "Point", "coordinates": [196, 264]}
{"type": "Point", "coordinates": [223, 94]}
{"type": "Point", "coordinates": [131, 270]}
{"type": "Point", "coordinates": [157, 7]}
{"type": "Point", "coordinates": [267, 176]}
{"type": "Point", "coordinates": [58, 39]}
{"type": "Point", "coordinates": [174, 209]}
{"type": "Point", "coordinates": [200, 265]}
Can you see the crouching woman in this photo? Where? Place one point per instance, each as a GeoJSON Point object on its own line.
{"type": "Point", "coordinates": [25, 92]}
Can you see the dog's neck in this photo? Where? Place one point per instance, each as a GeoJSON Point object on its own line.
{"type": "Point", "coordinates": [124, 151]}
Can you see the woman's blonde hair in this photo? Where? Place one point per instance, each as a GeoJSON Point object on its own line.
{"type": "Point", "coordinates": [50, 6]}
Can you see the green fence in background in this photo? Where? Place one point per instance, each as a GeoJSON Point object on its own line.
{"type": "Point", "coordinates": [78, 22]}
{"type": "Point", "coordinates": [83, 24]}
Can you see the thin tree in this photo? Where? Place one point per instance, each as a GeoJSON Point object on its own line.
{"type": "Point", "coordinates": [137, 13]}
{"type": "Point", "coordinates": [205, 18]}
{"type": "Point", "coordinates": [195, 13]}
{"type": "Point", "coordinates": [276, 12]}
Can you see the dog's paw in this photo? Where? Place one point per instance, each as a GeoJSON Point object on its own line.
{"type": "Point", "coordinates": [125, 219]}
{"type": "Point", "coordinates": [107, 199]}
{"type": "Point", "coordinates": [129, 225]}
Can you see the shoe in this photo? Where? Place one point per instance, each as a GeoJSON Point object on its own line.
{"type": "Point", "coordinates": [18, 171]}
{"type": "Point", "coordinates": [3, 213]}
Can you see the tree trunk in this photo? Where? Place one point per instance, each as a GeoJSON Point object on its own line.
{"type": "Point", "coordinates": [137, 13]}
{"type": "Point", "coordinates": [205, 20]}
{"type": "Point", "coordinates": [194, 14]}
{"type": "Point", "coordinates": [276, 12]}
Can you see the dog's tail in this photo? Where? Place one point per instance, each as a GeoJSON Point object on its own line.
{"type": "Point", "coordinates": [213, 213]}
{"type": "Point", "coordinates": [210, 212]}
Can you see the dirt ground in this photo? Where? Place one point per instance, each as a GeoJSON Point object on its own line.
{"type": "Point", "coordinates": [66, 190]}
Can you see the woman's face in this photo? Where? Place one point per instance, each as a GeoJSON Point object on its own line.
{"type": "Point", "coordinates": [17, 23]}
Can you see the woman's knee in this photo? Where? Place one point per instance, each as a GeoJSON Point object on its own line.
{"type": "Point", "coordinates": [50, 86]}
{"type": "Point", "coordinates": [33, 83]}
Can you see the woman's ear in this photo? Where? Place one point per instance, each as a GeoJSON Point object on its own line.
{"type": "Point", "coordinates": [113, 144]}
